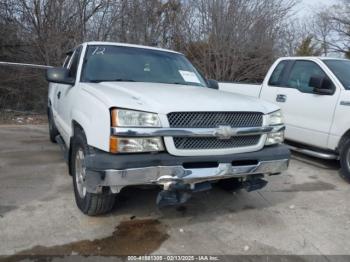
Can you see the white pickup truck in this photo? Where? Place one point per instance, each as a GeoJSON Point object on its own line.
{"type": "Point", "coordinates": [136, 115]}
{"type": "Point", "coordinates": [314, 94]}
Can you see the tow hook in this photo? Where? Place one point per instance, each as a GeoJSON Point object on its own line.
{"type": "Point", "coordinates": [254, 182]}
{"type": "Point", "coordinates": [177, 193]}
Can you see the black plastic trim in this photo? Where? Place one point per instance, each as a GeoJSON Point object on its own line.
{"type": "Point", "coordinates": [101, 160]}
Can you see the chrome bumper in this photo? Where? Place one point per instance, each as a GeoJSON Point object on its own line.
{"type": "Point", "coordinates": [166, 175]}
{"type": "Point", "coordinates": [221, 132]}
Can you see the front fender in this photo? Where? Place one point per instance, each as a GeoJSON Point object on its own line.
{"type": "Point", "coordinates": [94, 118]}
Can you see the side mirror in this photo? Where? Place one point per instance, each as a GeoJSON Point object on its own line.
{"type": "Point", "coordinates": [322, 85]}
{"type": "Point", "coordinates": [213, 84]}
{"type": "Point", "coordinates": [59, 75]}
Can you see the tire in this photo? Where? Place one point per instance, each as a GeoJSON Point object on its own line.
{"type": "Point", "coordinates": [230, 184]}
{"type": "Point", "coordinates": [53, 132]}
{"type": "Point", "coordinates": [345, 161]}
{"type": "Point", "coordinates": [89, 203]}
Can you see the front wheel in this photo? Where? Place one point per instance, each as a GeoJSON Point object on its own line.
{"type": "Point", "coordinates": [89, 203]}
{"type": "Point", "coordinates": [345, 161]}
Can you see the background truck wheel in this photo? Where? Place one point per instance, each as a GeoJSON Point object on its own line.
{"type": "Point", "coordinates": [53, 132]}
{"type": "Point", "coordinates": [89, 203]}
{"type": "Point", "coordinates": [231, 184]}
{"type": "Point", "coordinates": [345, 160]}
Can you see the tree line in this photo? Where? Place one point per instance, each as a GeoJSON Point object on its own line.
{"type": "Point", "coordinates": [227, 40]}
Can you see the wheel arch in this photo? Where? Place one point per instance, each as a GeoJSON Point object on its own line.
{"type": "Point", "coordinates": [76, 127]}
{"type": "Point", "coordinates": [344, 137]}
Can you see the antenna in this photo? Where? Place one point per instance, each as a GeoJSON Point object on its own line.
{"type": "Point", "coordinates": [25, 65]}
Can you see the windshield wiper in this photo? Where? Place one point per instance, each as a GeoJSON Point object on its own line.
{"type": "Point", "coordinates": [185, 84]}
{"type": "Point", "coordinates": [111, 80]}
{"type": "Point", "coordinates": [178, 83]}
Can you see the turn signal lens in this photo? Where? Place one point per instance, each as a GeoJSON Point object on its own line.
{"type": "Point", "coordinates": [135, 145]}
{"type": "Point", "coordinates": [113, 144]}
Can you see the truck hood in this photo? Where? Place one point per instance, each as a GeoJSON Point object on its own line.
{"type": "Point", "coordinates": [166, 98]}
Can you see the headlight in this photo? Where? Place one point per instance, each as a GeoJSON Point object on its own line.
{"type": "Point", "coordinates": [274, 138]}
{"type": "Point", "coordinates": [275, 118]}
{"type": "Point", "coordinates": [130, 118]}
{"type": "Point", "coordinates": [135, 145]}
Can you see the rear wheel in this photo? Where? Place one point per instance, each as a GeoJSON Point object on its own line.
{"type": "Point", "coordinates": [53, 132]}
{"type": "Point", "coordinates": [345, 161]}
{"type": "Point", "coordinates": [89, 203]}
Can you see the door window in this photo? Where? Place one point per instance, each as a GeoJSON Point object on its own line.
{"type": "Point", "coordinates": [301, 73]}
{"type": "Point", "coordinates": [74, 63]}
{"type": "Point", "coordinates": [67, 59]}
{"type": "Point", "coordinates": [277, 75]}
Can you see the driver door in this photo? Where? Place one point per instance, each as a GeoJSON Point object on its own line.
{"type": "Point", "coordinates": [55, 90]}
{"type": "Point", "coordinates": [308, 116]}
{"type": "Point", "coordinates": [64, 93]}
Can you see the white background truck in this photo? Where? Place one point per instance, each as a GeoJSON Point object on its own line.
{"type": "Point", "coordinates": [135, 115]}
{"type": "Point", "coordinates": [314, 94]}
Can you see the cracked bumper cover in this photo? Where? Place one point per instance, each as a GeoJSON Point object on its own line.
{"type": "Point", "coordinates": [118, 171]}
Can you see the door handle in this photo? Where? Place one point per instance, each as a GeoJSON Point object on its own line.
{"type": "Point", "coordinates": [59, 95]}
{"type": "Point", "coordinates": [281, 98]}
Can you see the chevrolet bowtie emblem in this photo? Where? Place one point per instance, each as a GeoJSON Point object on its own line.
{"type": "Point", "coordinates": [224, 132]}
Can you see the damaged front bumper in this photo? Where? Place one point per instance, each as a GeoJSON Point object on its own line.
{"type": "Point", "coordinates": [168, 175]}
{"type": "Point", "coordinates": [117, 172]}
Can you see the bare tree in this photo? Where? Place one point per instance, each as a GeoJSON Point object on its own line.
{"type": "Point", "coordinates": [235, 40]}
{"type": "Point", "coordinates": [321, 28]}
{"type": "Point", "coordinates": [331, 28]}
{"type": "Point", "coordinates": [231, 40]}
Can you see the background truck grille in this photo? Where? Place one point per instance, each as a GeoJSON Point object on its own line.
{"type": "Point", "coordinates": [214, 143]}
{"type": "Point", "coordinates": [214, 119]}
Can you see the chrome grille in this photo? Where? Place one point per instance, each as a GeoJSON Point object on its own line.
{"type": "Point", "coordinates": [214, 143]}
{"type": "Point", "coordinates": [214, 119]}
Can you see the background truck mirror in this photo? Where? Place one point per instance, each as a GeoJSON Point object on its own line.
{"type": "Point", "coordinates": [322, 85]}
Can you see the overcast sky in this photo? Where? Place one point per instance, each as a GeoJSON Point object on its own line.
{"type": "Point", "coordinates": [307, 7]}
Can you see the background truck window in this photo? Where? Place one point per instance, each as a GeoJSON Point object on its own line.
{"type": "Point", "coordinates": [277, 75]}
{"type": "Point", "coordinates": [301, 73]}
{"type": "Point", "coordinates": [341, 68]}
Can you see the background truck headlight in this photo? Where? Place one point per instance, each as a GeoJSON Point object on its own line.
{"type": "Point", "coordinates": [275, 138]}
{"type": "Point", "coordinates": [275, 119]}
{"type": "Point", "coordinates": [131, 118]}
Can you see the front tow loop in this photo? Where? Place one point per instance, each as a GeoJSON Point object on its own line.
{"type": "Point", "coordinates": [179, 193]}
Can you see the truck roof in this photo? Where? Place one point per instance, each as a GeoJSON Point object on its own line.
{"type": "Point", "coordinates": [311, 58]}
{"type": "Point", "coordinates": [130, 45]}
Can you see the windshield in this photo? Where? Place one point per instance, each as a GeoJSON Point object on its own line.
{"type": "Point", "coordinates": [119, 63]}
{"type": "Point", "coordinates": [341, 68]}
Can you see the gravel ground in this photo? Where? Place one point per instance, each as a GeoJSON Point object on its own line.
{"type": "Point", "coordinates": [303, 211]}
